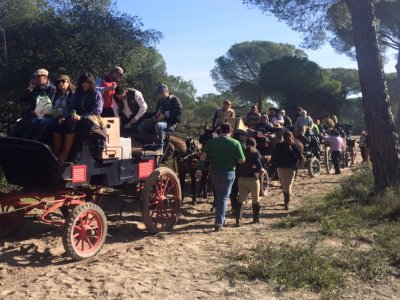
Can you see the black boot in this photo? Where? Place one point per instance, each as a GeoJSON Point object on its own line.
{"type": "Point", "coordinates": [256, 213]}
{"type": "Point", "coordinates": [286, 197]}
{"type": "Point", "coordinates": [238, 214]}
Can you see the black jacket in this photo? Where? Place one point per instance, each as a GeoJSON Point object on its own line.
{"type": "Point", "coordinates": [284, 156]}
{"type": "Point", "coordinates": [172, 107]}
{"type": "Point", "coordinates": [252, 164]}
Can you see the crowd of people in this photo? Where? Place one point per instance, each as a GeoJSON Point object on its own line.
{"type": "Point", "coordinates": [236, 163]}
{"type": "Point", "coordinates": [54, 114]}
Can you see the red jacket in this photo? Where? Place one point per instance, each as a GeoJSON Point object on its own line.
{"type": "Point", "coordinates": [108, 95]}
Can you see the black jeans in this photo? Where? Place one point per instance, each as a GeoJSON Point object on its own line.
{"type": "Point", "coordinates": [336, 161]}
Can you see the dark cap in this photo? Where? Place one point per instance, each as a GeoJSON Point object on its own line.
{"type": "Point", "coordinates": [162, 88]}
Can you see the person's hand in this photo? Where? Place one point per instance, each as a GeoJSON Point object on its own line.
{"type": "Point", "coordinates": [61, 120]}
{"type": "Point", "coordinates": [159, 118]}
{"type": "Point", "coordinates": [31, 85]}
{"type": "Point", "coordinates": [198, 174]}
{"type": "Point", "coordinates": [75, 117]}
{"type": "Point", "coordinates": [133, 121]}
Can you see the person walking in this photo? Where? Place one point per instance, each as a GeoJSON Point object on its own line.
{"type": "Point", "coordinates": [363, 144]}
{"type": "Point", "coordinates": [285, 157]}
{"type": "Point", "coordinates": [337, 145]}
{"type": "Point", "coordinates": [224, 153]}
{"type": "Point", "coordinates": [248, 181]}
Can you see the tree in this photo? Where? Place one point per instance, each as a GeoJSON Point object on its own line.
{"type": "Point", "coordinates": [239, 69]}
{"type": "Point", "coordinates": [294, 82]}
{"type": "Point", "coordinates": [311, 16]}
{"type": "Point", "coordinates": [348, 78]}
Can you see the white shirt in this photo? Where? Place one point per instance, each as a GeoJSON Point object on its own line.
{"type": "Point", "coordinates": [127, 111]}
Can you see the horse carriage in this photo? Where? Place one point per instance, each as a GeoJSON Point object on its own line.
{"type": "Point", "coordinates": [66, 194]}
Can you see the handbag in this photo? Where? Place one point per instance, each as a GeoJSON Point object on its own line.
{"type": "Point", "coordinates": [43, 106]}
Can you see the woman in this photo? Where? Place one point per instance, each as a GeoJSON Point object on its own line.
{"type": "Point", "coordinates": [62, 105]}
{"type": "Point", "coordinates": [248, 181]}
{"type": "Point", "coordinates": [85, 111]}
{"type": "Point", "coordinates": [285, 157]}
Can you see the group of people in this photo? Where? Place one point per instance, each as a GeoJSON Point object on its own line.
{"type": "Point", "coordinates": [236, 164]}
{"type": "Point", "coordinates": [56, 113]}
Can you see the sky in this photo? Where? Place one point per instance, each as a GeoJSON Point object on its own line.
{"type": "Point", "coordinates": [196, 32]}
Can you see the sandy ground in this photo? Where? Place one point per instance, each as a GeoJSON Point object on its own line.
{"type": "Point", "coordinates": [184, 264]}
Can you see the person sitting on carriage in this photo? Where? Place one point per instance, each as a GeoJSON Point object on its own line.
{"type": "Point", "coordinates": [225, 111]}
{"type": "Point", "coordinates": [275, 117]}
{"type": "Point", "coordinates": [264, 125]}
{"type": "Point", "coordinates": [84, 117]}
{"type": "Point", "coordinates": [106, 86]}
{"type": "Point", "coordinates": [287, 121]}
{"type": "Point", "coordinates": [166, 117]}
{"type": "Point", "coordinates": [38, 95]}
{"type": "Point", "coordinates": [63, 101]}
{"type": "Point", "coordinates": [252, 117]}
{"type": "Point", "coordinates": [129, 106]}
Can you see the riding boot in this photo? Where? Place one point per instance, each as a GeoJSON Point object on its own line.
{"type": "Point", "coordinates": [256, 212]}
{"type": "Point", "coordinates": [68, 142]}
{"type": "Point", "coordinates": [57, 143]}
{"type": "Point", "coordinates": [286, 197]}
{"type": "Point", "coordinates": [238, 213]}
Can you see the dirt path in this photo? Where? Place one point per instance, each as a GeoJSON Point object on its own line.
{"type": "Point", "coordinates": [185, 264]}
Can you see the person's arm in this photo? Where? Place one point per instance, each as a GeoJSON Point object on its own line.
{"type": "Point", "coordinates": [233, 113]}
{"type": "Point", "coordinates": [115, 108]}
{"type": "Point", "coordinates": [142, 105]}
{"type": "Point", "coordinates": [242, 158]}
{"type": "Point", "coordinates": [257, 162]}
{"type": "Point", "coordinates": [175, 114]}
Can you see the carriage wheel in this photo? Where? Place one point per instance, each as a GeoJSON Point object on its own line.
{"type": "Point", "coordinates": [10, 219]}
{"type": "Point", "coordinates": [328, 160]}
{"type": "Point", "coordinates": [264, 183]}
{"type": "Point", "coordinates": [314, 167]}
{"type": "Point", "coordinates": [161, 200]}
{"type": "Point", "coordinates": [85, 231]}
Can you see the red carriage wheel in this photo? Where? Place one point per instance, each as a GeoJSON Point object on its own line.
{"type": "Point", "coordinates": [10, 218]}
{"type": "Point", "coordinates": [161, 200]}
{"type": "Point", "coordinates": [85, 231]}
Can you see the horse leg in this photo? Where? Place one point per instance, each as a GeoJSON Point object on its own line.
{"type": "Point", "coordinates": [193, 184]}
{"type": "Point", "coordinates": [182, 177]}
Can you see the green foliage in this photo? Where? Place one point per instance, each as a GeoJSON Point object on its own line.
{"type": "Point", "coordinates": [297, 82]}
{"type": "Point", "coordinates": [239, 69]}
{"type": "Point", "coordinates": [293, 267]}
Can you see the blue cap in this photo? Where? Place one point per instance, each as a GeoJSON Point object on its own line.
{"type": "Point", "coordinates": [162, 88]}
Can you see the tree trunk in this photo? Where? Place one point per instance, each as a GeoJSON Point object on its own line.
{"type": "Point", "coordinates": [382, 136]}
{"type": "Point", "coordinates": [398, 83]}
{"type": "Point", "coordinates": [260, 96]}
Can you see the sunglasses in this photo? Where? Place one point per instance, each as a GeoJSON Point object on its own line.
{"type": "Point", "coordinates": [62, 81]}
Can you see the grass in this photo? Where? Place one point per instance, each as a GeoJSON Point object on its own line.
{"type": "Point", "coordinates": [365, 227]}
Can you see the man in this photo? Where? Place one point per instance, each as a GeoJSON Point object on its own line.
{"type": "Point", "coordinates": [168, 114]}
{"type": "Point", "coordinates": [274, 117]}
{"type": "Point", "coordinates": [287, 121]}
{"type": "Point", "coordinates": [302, 123]}
{"type": "Point", "coordinates": [129, 106]}
{"type": "Point", "coordinates": [264, 125]}
{"type": "Point", "coordinates": [39, 90]}
{"type": "Point", "coordinates": [224, 153]}
{"type": "Point", "coordinates": [107, 87]}
{"type": "Point", "coordinates": [225, 111]}
{"type": "Point", "coordinates": [252, 117]}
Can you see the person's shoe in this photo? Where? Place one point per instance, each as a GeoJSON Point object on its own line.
{"type": "Point", "coordinates": [256, 213]}
{"type": "Point", "coordinates": [217, 228]}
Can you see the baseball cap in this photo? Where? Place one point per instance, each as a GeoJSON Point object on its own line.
{"type": "Point", "coordinates": [162, 88]}
{"type": "Point", "coordinates": [41, 72]}
{"type": "Point", "coordinates": [63, 77]}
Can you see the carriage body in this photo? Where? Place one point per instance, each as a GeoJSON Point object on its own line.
{"type": "Point", "coordinates": [66, 194]}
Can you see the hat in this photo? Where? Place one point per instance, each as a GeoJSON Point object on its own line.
{"type": "Point", "coordinates": [227, 102]}
{"type": "Point", "coordinates": [41, 72]}
{"type": "Point", "coordinates": [117, 69]}
{"type": "Point", "coordinates": [241, 132]}
{"type": "Point", "coordinates": [63, 77]}
{"type": "Point", "coordinates": [162, 88]}
{"type": "Point", "coordinates": [253, 107]}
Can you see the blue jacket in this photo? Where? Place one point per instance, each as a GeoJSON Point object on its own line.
{"type": "Point", "coordinates": [89, 103]}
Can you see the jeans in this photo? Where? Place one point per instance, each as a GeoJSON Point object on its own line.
{"type": "Point", "coordinates": [222, 181]}
{"type": "Point", "coordinates": [160, 128]}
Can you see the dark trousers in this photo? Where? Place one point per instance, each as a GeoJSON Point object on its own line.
{"type": "Point", "coordinates": [234, 196]}
{"type": "Point", "coordinates": [336, 161]}
{"type": "Point", "coordinates": [363, 154]}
